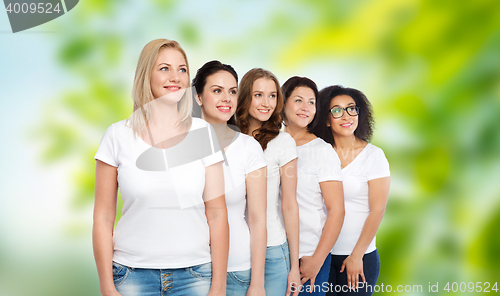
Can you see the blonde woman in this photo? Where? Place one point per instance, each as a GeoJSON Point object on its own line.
{"type": "Point", "coordinates": [173, 234]}
{"type": "Point", "coordinates": [258, 115]}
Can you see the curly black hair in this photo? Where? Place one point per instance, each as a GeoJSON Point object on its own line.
{"type": "Point", "coordinates": [319, 127]}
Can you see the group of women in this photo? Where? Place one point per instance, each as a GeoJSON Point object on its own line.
{"type": "Point", "coordinates": [275, 191]}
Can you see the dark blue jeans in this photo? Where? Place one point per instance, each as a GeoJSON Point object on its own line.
{"type": "Point", "coordinates": [320, 283]}
{"type": "Point", "coordinates": [338, 281]}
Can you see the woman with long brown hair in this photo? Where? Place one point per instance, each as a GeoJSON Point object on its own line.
{"type": "Point", "coordinates": [258, 114]}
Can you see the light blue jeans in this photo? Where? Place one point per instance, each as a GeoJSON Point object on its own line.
{"type": "Point", "coordinates": [277, 269]}
{"type": "Point", "coordinates": [238, 282]}
{"type": "Point", "coordinates": [190, 281]}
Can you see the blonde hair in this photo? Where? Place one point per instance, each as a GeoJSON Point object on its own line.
{"type": "Point", "coordinates": [142, 93]}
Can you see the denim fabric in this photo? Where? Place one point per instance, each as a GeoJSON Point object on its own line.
{"type": "Point", "coordinates": [338, 281]}
{"type": "Point", "coordinates": [238, 282]}
{"type": "Point", "coordinates": [320, 282]}
{"type": "Point", "coordinates": [277, 269]}
{"type": "Point", "coordinates": [193, 280]}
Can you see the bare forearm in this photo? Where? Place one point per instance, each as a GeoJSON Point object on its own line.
{"type": "Point", "coordinates": [331, 231]}
{"type": "Point", "coordinates": [219, 244]}
{"type": "Point", "coordinates": [258, 245]}
{"type": "Point", "coordinates": [102, 240]}
{"type": "Point", "coordinates": [369, 231]}
{"type": "Point", "coordinates": [290, 211]}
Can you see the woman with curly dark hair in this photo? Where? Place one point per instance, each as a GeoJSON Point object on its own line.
{"type": "Point", "coordinates": [258, 114]}
{"type": "Point", "coordinates": [344, 119]}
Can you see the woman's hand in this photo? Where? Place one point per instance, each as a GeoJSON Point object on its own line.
{"type": "Point", "coordinates": [309, 268]}
{"type": "Point", "coordinates": [214, 292]}
{"type": "Point", "coordinates": [256, 290]}
{"type": "Point", "coordinates": [293, 281]}
{"type": "Point", "coordinates": [354, 268]}
{"type": "Point", "coordinates": [112, 292]}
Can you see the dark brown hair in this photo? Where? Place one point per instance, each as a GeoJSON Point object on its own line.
{"type": "Point", "coordinates": [319, 127]}
{"type": "Point", "coordinates": [200, 80]}
{"type": "Point", "coordinates": [269, 129]}
{"type": "Point", "coordinates": [291, 84]}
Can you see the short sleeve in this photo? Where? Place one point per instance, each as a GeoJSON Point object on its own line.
{"type": "Point", "coordinates": [255, 155]}
{"type": "Point", "coordinates": [379, 165]}
{"type": "Point", "coordinates": [329, 165]}
{"type": "Point", "coordinates": [216, 153]}
{"type": "Point", "coordinates": [107, 148]}
{"type": "Point", "coordinates": [288, 149]}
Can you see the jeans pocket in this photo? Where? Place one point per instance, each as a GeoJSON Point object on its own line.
{"type": "Point", "coordinates": [120, 273]}
{"type": "Point", "coordinates": [275, 254]}
{"type": "Point", "coordinates": [241, 277]}
{"type": "Point", "coordinates": [202, 271]}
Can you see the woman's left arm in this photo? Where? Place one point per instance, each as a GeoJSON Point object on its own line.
{"type": "Point", "coordinates": [333, 196]}
{"type": "Point", "coordinates": [216, 212]}
{"type": "Point", "coordinates": [378, 191]}
{"type": "Point", "coordinates": [256, 185]}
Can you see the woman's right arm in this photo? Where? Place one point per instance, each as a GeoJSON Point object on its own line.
{"type": "Point", "coordinates": [106, 189]}
{"type": "Point", "coordinates": [290, 210]}
{"type": "Point", "coordinates": [256, 185]}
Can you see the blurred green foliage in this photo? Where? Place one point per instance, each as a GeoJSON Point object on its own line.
{"type": "Point", "coordinates": [435, 90]}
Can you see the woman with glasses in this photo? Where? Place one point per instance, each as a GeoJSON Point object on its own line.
{"type": "Point", "coordinates": [345, 121]}
{"type": "Point", "coordinates": [319, 186]}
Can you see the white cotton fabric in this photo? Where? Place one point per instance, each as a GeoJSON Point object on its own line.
{"type": "Point", "coordinates": [243, 156]}
{"type": "Point", "coordinates": [370, 164]}
{"type": "Point", "coordinates": [318, 162]}
{"type": "Point", "coordinates": [163, 223]}
{"type": "Point", "coordinates": [280, 151]}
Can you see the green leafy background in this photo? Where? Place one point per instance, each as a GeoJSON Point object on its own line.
{"type": "Point", "coordinates": [431, 69]}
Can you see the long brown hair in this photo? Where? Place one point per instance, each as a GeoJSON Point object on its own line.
{"type": "Point", "coordinates": [269, 129]}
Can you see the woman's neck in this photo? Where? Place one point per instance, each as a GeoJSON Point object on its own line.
{"type": "Point", "coordinates": [300, 134]}
{"type": "Point", "coordinates": [164, 116]}
{"type": "Point", "coordinates": [345, 142]}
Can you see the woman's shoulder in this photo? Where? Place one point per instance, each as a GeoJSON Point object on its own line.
{"type": "Point", "coordinates": [372, 154]}
{"type": "Point", "coordinates": [119, 127]}
{"type": "Point", "coordinates": [373, 150]}
{"type": "Point", "coordinates": [283, 137]}
{"type": "Point", "coordinates": [197, 123]}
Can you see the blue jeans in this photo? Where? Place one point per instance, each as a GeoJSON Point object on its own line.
{"type": "Point", "coordinates": [319, 288]}
{"type": "Point", "coordinates": [338, 281]}
{"type": "Point", "coordinates": [277, 270]}
{"type": "Point", "coordinates": [238, 282]}
{"type": "Point", "coordinates": [193, 280]}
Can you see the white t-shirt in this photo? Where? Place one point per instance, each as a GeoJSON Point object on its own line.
{"type": "Point", "coordinates": [368, 165]}
{"type": "Point", "coordinates": [318, 162]}
{"type": "Point", "coordinates": [243, 156]}
{"type": "Point", "coordinates": [280, 151]}
{"type": "Point", "coordinates": [163, 223]}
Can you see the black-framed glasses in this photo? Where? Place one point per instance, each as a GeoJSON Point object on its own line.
{"type": "Point", "coordinates": [338, 112]}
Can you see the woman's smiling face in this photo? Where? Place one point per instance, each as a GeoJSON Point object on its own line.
{"type": "Point", "coordinates": [264, 99]}
{"type": "Point", "coordinates": [218, 99]}
{"type": "Point", "coordinates": [345, 125]}
{"type": "Point", "coordinates": [300, 107]}
{"type": "Point", "coordinates": [169, 74]}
